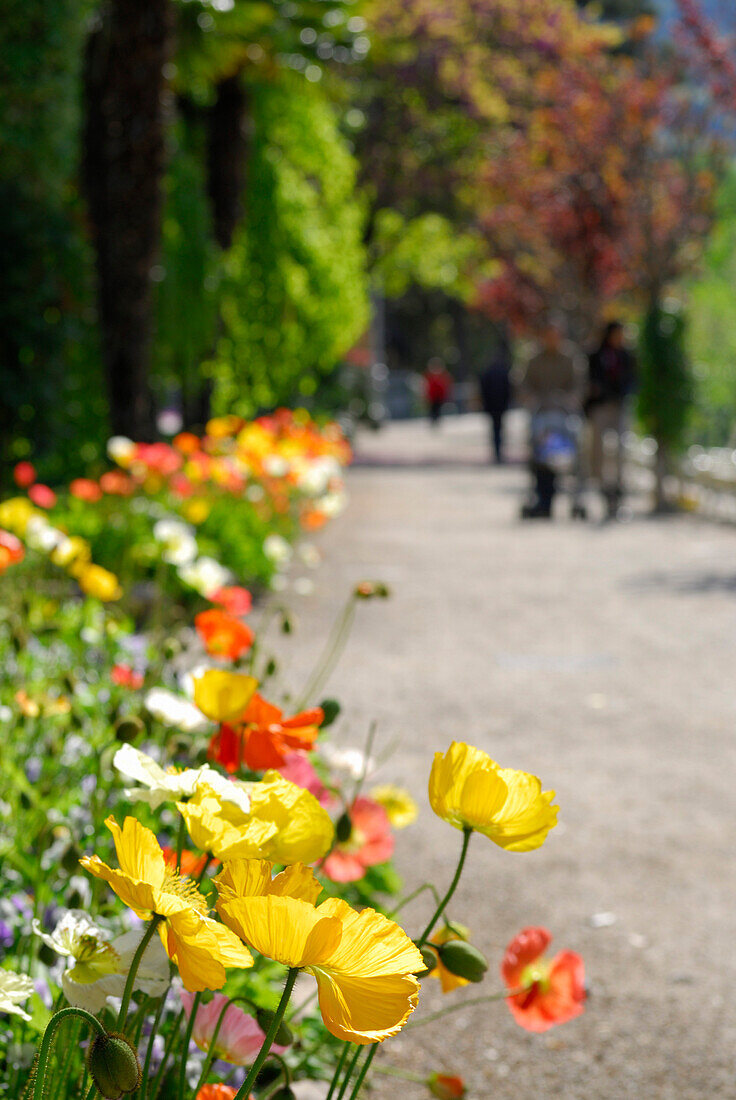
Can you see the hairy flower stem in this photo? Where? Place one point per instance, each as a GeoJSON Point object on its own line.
{"type": "Point", "coordinates": [149, 1048]}
{"type": "Point", "coordinates": [502, 996]}
{"type": "Point", "coordinates": [467, 833]}
{"type": "Point", "coordinates": [128, 991]}
{"type": "Point", "coordinates": [185, 1045]}
{"type": "Point", "coordinates": [48, 1038]}
{"type": "Point", "coordinates": [244, 1090]}
{"type": "Point", "coordinates": [338, 1071]}
{"type": "Point", "coordinates": [350, 1072]}
{"type": "Point", "coordinates": [330, 654]}
{"type": "Point", "coordinates": [363, 1072]}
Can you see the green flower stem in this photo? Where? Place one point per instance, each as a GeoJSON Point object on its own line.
{"type": "Point", "coordinates": [404, 1074]}
{"type": "Point", "coordinates": [185, 1046]}
{"type": "Point", "coordinates": [170, 1045]}
{"type": "Point", "coordinates": [149, 1048]}
{"type": "Point", "coordinates": [502, 996]}
{"type": "Point", "coordinates": [364, 1071]}
{"type": "Point", "coordinates": [330, 654]}
{"type": "Point", "coordinates": [350, 1072]}
{"type": "Point", "coordinates": [284, 1069]}
{"type": "Point", "coordinates": [48, 1037]}
{"type": "Point", "coordinates": [213, 1041]}
{"type": "Point", "coordinates": [127, 992]}
{"type": "Point", "coordinates": [244, 1091]}
{"type": "Point", "coordinates": [415, 894]}
{"type": "Point", "coordinates": [467, 833]}
{"type": "Point", "coordinates": [338, 1071]}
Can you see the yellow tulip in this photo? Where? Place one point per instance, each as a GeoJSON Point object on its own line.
{"type": "Point", "coordinates": [470, 791]}
{"type": "Point", "coordinates": [364, 963]}
{"type": "Point", "coordinates": [99, 582]}
{"type": "Point", "coordinates": [200, 946]}
{"type": "Point", "coordinates": [285, 823]}
{"type": "Point", "coordinates": [223, 696]}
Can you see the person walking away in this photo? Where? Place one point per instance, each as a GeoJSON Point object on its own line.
{"type": "Point", "coordinates": [611, 378]}
{"type": "Point", "coordinates": [549, 383]}
{"type": "Point", "coordinates": [437, 389]}
{"type": "Point", "coordinates": [495, 395]}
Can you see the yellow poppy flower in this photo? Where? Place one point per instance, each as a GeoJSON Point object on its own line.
{"type": "Point", "coordinates": [400, 807]}
{"type": "Point", "coordinates": [364, 964]}
{"type": "Point", "coordinates": [285, 823]}
{"type": "Point", "coordinates": [469, 790]}
{"type": "Point", "coordinates": [200, 946]}
{"type": "Point", "coordinates": [16, 513]}
{"type": "Point", "coordinates": [99, 582]}
{"type": "Point", "coordinates": [223, 696]}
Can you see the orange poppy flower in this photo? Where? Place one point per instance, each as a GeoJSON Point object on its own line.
{"type": "Point", "coordinates": [263, 738]}
{"type": "Point", "coordinates": [222, 634]}
{"type": "Point", "coordinates": [83, 488]}
{"type": "Point", "coordinates": [233, 599]}
{"type": "Point", "coordinates": [216, 1092]}
{"type": "Point", "coordinates": [552, 990]}
{"type": "Point", "coordinates": [11, 550]}
{"type": "Point", "coordinates": [191, 865]}
{"type": "Point", "coordinates": [117, 483]}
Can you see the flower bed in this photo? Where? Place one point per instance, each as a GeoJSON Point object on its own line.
{"type": "Point", "coordinates": [199, 895]}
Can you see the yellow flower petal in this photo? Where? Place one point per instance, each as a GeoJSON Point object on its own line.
{"type": "Point", "coordinates": [252, 878]}
{"type": "Point", "coordinates": [288, 930]}
{"type": "Point", "coordinates": [400, 807]}
{"type": "Point", "coordinates": [201, 949]}
{"type": "Point", "coordinates": [223, 696]}
{"type": "Point", "coordinates": [139, 853]}
{"type": "Point", "coordinates": [371, 943]}
{"type": "Point", "coordinates": [222, 828]}
{"type": "Point", "coordinates": [468, 789]}
{"type": "Point", "coordinates": [363, 1011]}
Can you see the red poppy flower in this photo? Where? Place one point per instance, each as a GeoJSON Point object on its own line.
{"type": "Point", "coordinates": [125, 676]}
{"type": "Point", "coordinates": [191, 864]}
{"type": "Point", "coordinates": [234, 599]}
{"type": "Point", "coordinates": [216, 1092]}
{"type": "Point", "coordinates": [222, 634]}
{"type": "Point", "coordinates": [24, 475]}
{"type": "Point", "coordinates": [263, 738]}
{"type": "Point", "coordinates": [83, 488]}
{"type": "Point", "coordinates": [117, 483]}
{"type": "Point", "coordinates": [42, 496]}
{"type": "Point", "coordinates": [445, 1087]}
{"type": "Point", "coordinates": [553, 990]}
{"type": "Point", "coordinates": [370, 842]}
{"type": "Point", "coordinates": [11, 550]}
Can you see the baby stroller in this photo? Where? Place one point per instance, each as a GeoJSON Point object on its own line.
{"type": "Point", "coordinates": [555, 449]}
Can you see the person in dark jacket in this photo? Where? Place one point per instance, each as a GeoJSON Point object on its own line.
{"type": "Point", "coordinates": [495, 395]}
{"type": "Point", "coordinates": [611, 378]}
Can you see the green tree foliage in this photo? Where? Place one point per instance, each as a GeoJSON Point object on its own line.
{"type": "Point", "coordinates": [666, 384]}
{"type": "Point", "coordinates": [45, 320]}
{"type": "Point", "coordinates": [294, 294]}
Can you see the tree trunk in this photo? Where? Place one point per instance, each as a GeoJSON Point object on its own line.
{"type": "Point", "coordinates": [226, 158]}
{"type": "Point", "coordinates": [123, 168]}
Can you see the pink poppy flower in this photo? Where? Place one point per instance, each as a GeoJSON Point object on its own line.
{"type": "Point", "coordinates": [233, 599]}
{"type": "Point", "coordinates": [125, 676]}
{"type": "Point", "coordinates": [370, 842]}
{"type": "Point", "coordinates": [299, 769]}
{"type": "Point", "coordinates": [42, 496]}
{"type": "Point", "coordinates": [239, 1038]}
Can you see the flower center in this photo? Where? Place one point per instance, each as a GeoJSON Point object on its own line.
{"type": "Point", "coordinates": [94, 959]}
{"type": "Point", "coordinates": [186, 889]}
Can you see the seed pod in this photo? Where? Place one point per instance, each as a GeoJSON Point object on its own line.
{"type": "Point", "coordinates": [343, 828]}
{"type": "Point", "coordinates": [113, 1065]}
{"type": "Point", "coordinates": [284, 1037]}
{"type": "Point", "coordinates": [463, 960]}
{"type": "Point", "coordinates": [430, 961]}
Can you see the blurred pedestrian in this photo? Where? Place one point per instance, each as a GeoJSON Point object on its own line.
{"type": "Point", "coordinates": [611, 378]}
{"type": "Point", "coordinates": [549, 386]}
{"type": "Point", "coordinates": [437, 388]}
{"type": "Point", "coordinates": [495, 395]}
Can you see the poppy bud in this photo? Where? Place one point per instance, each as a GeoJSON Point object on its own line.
{"type": "Point", "coordinates": [330, 708]}
{"type": "Point", "coordinates": [445, 1087]}
{"type": "Point", "coordinates": [430, 961]}
{"type": "Point", "coordinates": [463, 960]}
{"type": "Point", "coordinates": [284, 1037]}
{"type": "Point", "coordinates": [113, 1065]}
{"type": "Point", "coordinates": [128, 729]}
{"type": "Point", "coordinates": [343, 828]}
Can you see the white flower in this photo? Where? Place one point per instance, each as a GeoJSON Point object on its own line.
{"type": "Point", "coordinates": [40, 535]}
{"type": "Point", "coordinates": [180, 545]}
{"type": "Point", "coordinates": [315, 479]}
{"type": "Point", "coordinates": [14, 988]}
{"type": "Point", "coordinates": [120, 449]}
{"type": "Point", "coordinates": [169, 786]}
{"type": "Point", "coordinates": [353, 762]}
{"type": "Point", "coordinates": [275, 466]}
{"type": "Point", "coordinates": [332, 504]}
{"type": "Point", "coordinates": [101, 965]}
{"type": "Point", "coordinates": [173, 710]}
{"type": "Point", "coordinates": [205, 575]}
{"type": "Point", "coordinates": [277, 549]}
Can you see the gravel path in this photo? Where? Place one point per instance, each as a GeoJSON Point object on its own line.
{"type": "Point", "coordinates": [600, 657]}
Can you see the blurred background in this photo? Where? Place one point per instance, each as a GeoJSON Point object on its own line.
{"type": "Point", "coordinates": [218, 206]}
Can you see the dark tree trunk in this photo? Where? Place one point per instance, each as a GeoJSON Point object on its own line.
{"type": "Point", "coordinates": [123, 169]}
{"type": "Point", "coordinates": [226, 158]}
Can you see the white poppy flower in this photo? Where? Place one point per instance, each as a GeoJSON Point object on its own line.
{"type": "Point", "coordinates": [40, 535]}
{"type": "Point", "coordinates": [353, 762]}
{"type": "Point", "coordinates": [14, 988]}
{"type": "Point", "coordinates": [120, 449]}
{"type": "Point", "coordinates": [277, 549]}
{"type": "Point", "coordinates": [332, 504]}
{"type": "Point", "coordinates": [101, 965]}
{"type": "Point", "coordinates": [167, 786]}
{"type": "Point", "coordinates": [173, 710]}
{"type": "Point", "coordinates": [205, 575]}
